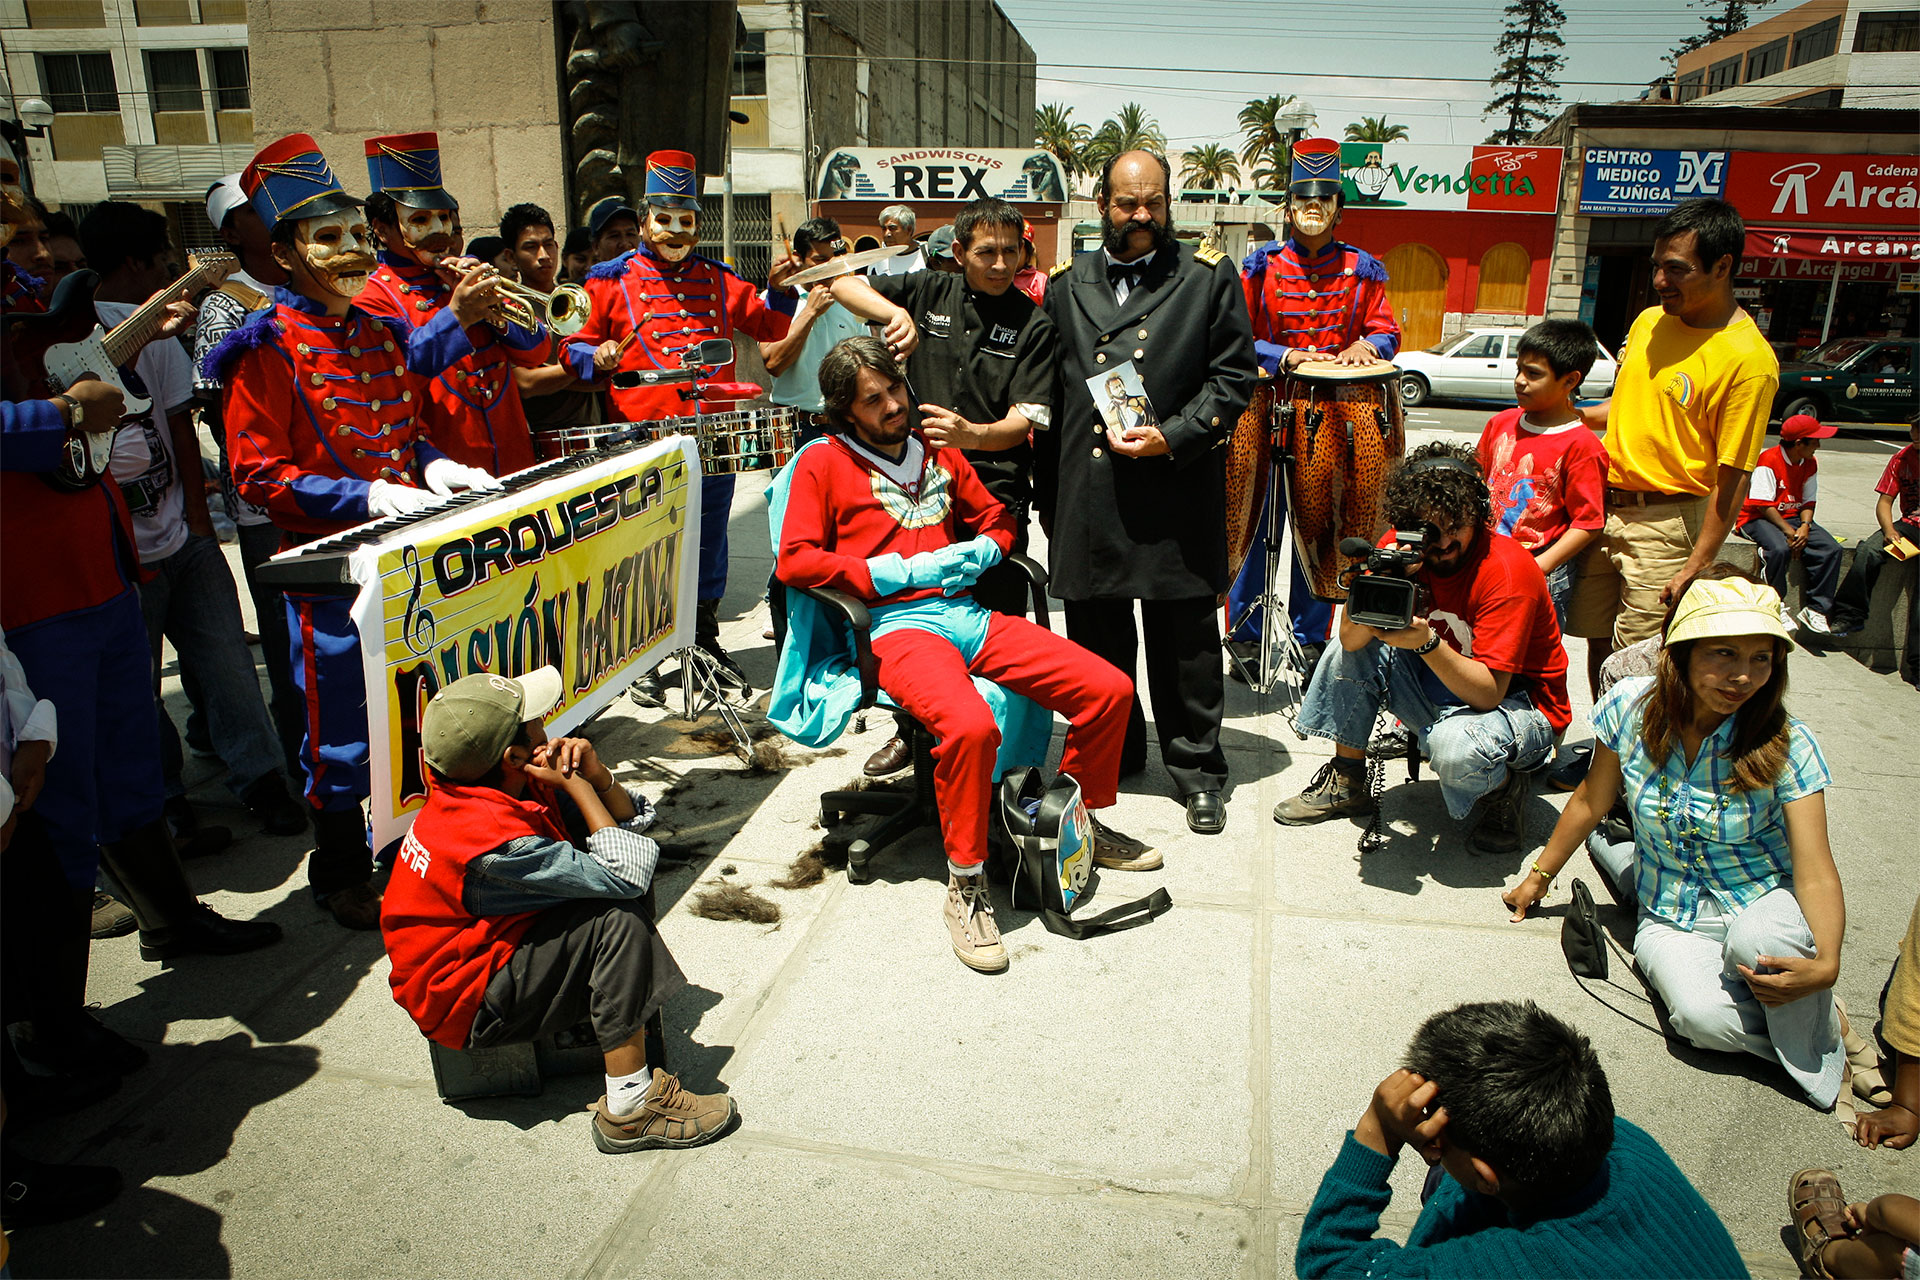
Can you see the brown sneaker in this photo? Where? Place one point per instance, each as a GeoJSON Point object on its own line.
{"type": "Point", "coordinates": [355, 908]}
{"type": "Point", "coordinates": [1334, 792]}
{"type": "Point", "coordinates": [111, 917]}
{"type": "Point", "coordinates": [1117, 852]}
{"type": "Point", "coordinates": [668, 1116]}
{"type": "Point", "coordinates": [976, 934]}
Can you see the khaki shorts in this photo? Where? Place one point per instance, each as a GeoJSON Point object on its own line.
{"type": "Point", "coordinates": [1623, 571]}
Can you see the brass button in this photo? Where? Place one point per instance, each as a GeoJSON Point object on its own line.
{"type": "Point", "coordinates": [399, 368]}
{"type": "Point", "coordinates": [319, 380]}
{"type": "Point", "coordinates": [1216, 421]}
{"type": "Point", "coordinates": [1143, 333]}
{"type": "Point", "coordinates": [1106, 337]}
{"type": "Point", "coordinates": [366, 377]}
{"type": "Point", "coordinates": [387, 345]}
{"type": "Point", "coordinates": [1096, 453]}
{"type": "Point", "coordinates": [1101, 358]}
{"type": "Point", "coordinates": [342, 430]}
{"type": "Point", "coordinates": [353, 351]}
{"type": "Point", "coordinates": [407, 396]}
{"type": "Point", "coordinates": [305, 350]}
{"type": "Point", "coordinates": [329, 403]}
{"type": "Point", "coordinates": [1139, 352]}
{"type": "Point", "coordinates": [374, 407]}
{"type": "Point", "coordinates": [423, 305]}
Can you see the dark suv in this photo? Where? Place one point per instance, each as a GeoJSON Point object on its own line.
{"type": "Point", "coordinates": [1852, 380]}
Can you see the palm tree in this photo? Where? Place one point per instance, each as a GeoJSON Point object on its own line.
{"type": "Point", "coordinates": [1266, 140]}
{"type": "Point", "coordinates": [1209, 167]}
{"type": "Point", "coordinates": [1054, 131]}
{"type": "Point", "coordinates": [1130, 129]}
{"type": "Point", "coordinates": [1376, 129]}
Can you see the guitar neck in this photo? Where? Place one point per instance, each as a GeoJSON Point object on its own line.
{"type": "Point", "coordinates": [133, 333]}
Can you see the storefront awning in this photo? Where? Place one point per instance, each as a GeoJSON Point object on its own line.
{"type": "Point", "coordinates": [1765, 243]}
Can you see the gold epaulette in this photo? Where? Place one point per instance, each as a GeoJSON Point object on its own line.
{"type": "Point", "coordinates": [1212, 257]}
{"type": "Point", "coordinates": [1058, 267]}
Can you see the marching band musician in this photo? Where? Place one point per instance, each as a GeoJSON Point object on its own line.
{"type": "Point", "coordinates": [472, 409]}
{"type": "Point", "coordinates": [650, 306]}
{"type": "Point", "coordinates": [1312, 298]}
{"type": "Point", "coordinates": [324, 429]}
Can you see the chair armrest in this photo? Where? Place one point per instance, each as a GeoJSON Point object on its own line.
{"type": "Point", "coordinates": [859, 622]}
{"type": "Point", "coordinates": [1037, 584]}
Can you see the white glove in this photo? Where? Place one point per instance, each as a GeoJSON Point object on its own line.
{"type": "Point", "coordinates": [444, 475]}
{"type": "Point", "coordinates": [389, 499]}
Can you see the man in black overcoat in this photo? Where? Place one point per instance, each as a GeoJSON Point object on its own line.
{"type": "Point", "coordinates": [1139, 515]}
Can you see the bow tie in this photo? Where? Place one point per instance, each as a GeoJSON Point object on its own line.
{"type": "Point", "coordinates": [1128, 271]}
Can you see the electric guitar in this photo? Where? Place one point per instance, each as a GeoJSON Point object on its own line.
{"type": "Point", "coordinates": [51, 350]}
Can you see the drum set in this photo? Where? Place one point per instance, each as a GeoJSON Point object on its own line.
{"type": "Point", "coordinates": [1312, 451]}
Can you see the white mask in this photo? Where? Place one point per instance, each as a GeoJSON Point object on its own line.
{"type": "Point", "coordinates": [672, 233]}
{"type": "Point", "coordinates": [1312, 215]}
{"type": "Point", "coordinates": [429, 233]}
{"type": "Point", "coordinates": [338, 250]}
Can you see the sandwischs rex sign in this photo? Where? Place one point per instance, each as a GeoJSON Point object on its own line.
{"type": "Point", "coordinates": [941, 173]}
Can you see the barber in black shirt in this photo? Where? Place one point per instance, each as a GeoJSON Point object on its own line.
{"type": "Point", "coordinates": [982, 374]}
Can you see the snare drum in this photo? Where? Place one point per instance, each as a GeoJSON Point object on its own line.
{"type": "Point", "coordinates": [561, 442]}
{"type": "Point", "coordinates": [1341, 428]}
{"type": "Point", "coordinates": [739, 440]}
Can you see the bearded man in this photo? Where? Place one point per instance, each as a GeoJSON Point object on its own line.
{"type": "Point", "coordinates": [1140, 516]}
{"type": "Point", "coordinates": [472, 409]}
{"type": "Point", "coordinates": [323, 409]}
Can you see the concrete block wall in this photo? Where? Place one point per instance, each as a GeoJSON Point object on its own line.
{"type": "Point", "coordinates": [1888, 641]}
{"type": "Point", "coordinates": [481, 73]}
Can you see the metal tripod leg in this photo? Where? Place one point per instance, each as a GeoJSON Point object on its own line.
{"type": "Point", "coordinates": [1281, 660]}
{"type": "Point", "coordinates": [703, 689]}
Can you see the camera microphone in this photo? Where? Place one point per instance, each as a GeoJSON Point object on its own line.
{"type": "Point", "coordinates": [1355, 548]}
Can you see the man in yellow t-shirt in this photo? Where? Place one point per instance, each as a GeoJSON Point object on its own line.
{"type": "Point", "coordinates": [1684, 428]}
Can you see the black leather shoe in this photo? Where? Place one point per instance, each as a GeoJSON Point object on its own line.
{"type": "Point", "coordinates": [891, 758]}
{"type": "Point", "coordinates": [268, 800]}
{"type": "Point", "coordinates": [33, 1194]}
{"type": "Point", "coordinates": [648, 690]}
{"type": "Point", "coordinates": [209, 933]}
{"type": "Point", "coordinates": [1206, 813]}
{"type": "Point", "coordinates": [190, 839]}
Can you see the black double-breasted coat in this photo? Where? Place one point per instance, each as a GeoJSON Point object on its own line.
{"type": "Point", "coordinates": [1144, 528]}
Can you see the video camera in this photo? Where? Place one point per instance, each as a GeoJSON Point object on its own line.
{"type": "Point", "coordinates": [1382, 593]}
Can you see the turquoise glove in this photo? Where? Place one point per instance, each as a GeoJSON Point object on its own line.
{"type": "Point", "coordinates": [964, 562]}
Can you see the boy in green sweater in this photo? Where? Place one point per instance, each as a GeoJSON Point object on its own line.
{"type": "Point", "coordinates": [1543, 1180]}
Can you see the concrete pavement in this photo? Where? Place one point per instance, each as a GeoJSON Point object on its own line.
{"type": "Point", "coordinates": [1161, 1102]}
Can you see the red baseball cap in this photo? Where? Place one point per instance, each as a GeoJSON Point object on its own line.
{"type": "Point", "coordinates": [1804, 426]}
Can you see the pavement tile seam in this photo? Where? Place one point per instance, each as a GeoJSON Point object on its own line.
{"type": "Point", "coordinates": [623, 1248]}
{"type": "Point", "coordinates": [1256, 1185]}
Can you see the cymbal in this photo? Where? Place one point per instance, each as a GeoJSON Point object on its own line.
{"type": "Point", "coordinates": [847, 264]}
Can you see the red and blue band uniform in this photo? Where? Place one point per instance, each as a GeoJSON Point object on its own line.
{"type": "Point", "coordinates": [675, 306]}
{"type": "Point", "coordinates": [1302, 301]}
{"type": "Point", "coordinates": [71, 613]}
{"type": "Point", "coordinates": [841, 512]}
{"type": "Point", "coordinates": [472, 410]}
{"type": "Point", "coordinates": [317, 408]}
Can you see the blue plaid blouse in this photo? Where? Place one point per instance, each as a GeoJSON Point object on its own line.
{"type": "Point", "coordinates": [1691, 830]}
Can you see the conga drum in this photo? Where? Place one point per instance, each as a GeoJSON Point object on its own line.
{"type": "Point", "coordinates": [1249, 456]}
{"type": "Point", "coordinates": [1340, 427]}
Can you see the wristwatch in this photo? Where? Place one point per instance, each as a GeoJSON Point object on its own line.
{"type": "Point", "coordinates": [1433, 642]}
{"type": "Point", "coordinates": [71, 409]}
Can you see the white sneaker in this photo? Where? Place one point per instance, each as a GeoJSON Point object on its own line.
{"type": "Point", "coordinates": [970, 923]}
{"type": "Point", "coordinates": [1815, 622]}
{"type": "Point", "coordinates": [1787, 619]}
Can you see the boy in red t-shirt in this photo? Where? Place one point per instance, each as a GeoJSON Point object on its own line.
{"type": "Point", "coordinates": [1778, 515]}
{"type": "Point", "coordinates": [1546, 470]}
{"type": "Point", "coordinates": [1900, 483]}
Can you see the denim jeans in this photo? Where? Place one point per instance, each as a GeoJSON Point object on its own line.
{"type": "Point", "coordinates": [1560, 590]}
{"type": "Point", "coordinates": [1710, 1004]}
{"type": "Point", "coordinates": [1471, 750]}
{"type": "Point", "coordinates": [191, 600]}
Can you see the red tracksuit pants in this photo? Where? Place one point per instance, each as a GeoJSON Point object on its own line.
{"type": "Point", "coordinates": [926, 675]}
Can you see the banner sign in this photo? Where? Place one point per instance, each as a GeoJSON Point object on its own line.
{"type": "Point", "coordinates": [592, 572]}
{"type": "Point", "coordinates": [1764, 243]}
{"type": "Point", "coordinates": [1417, 176]}
{"type": "Point", "coordinates": [1620, 180]}
{"type": "Point", "coordinates": [1825, 190]}
{"type": "Point", "coordinates": [956, 174]}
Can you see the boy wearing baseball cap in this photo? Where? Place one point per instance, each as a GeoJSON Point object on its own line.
{"type": "Point", "coordinates": [514, 905]}
{"type": "Point", "coordinates": [1778, 514]}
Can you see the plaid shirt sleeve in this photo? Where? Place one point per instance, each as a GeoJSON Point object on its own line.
{"type": "Point", "coordinates": [1806, 771]}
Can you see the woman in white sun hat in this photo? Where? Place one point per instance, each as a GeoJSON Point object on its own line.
{"type": "Point", "coordinates": [1740, 908]}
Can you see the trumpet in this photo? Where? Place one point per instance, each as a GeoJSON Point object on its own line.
{"type": "Point", "coordinates": [565, 310]}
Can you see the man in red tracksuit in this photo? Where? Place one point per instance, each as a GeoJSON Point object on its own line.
{"type": "Point", "coordinates": [876, 512]}
{"type": "Point", "coordinates": [514, 908]}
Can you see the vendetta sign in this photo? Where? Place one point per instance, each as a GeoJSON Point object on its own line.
{"type": "Point", "coordinates": [592, 572]}
{"type": "Point", "coordinates": [1491, 179]}
{"type": "Point", "coordinates": [956, 174]}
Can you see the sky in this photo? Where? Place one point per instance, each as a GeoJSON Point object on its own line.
{"type": "Point", "coordinates": [1424, 65]}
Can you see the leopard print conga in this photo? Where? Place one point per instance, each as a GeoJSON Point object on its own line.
{"type": "Point", "coordinates": [1341, 428]}
{"type": "Point", "coordinates": [1249, 457]}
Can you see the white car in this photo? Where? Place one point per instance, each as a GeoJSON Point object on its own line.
{"type": "Point", "coordinates": [1479, 365]}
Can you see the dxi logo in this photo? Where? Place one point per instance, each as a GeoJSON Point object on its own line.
{"type": "Point", "coordinates": [1701, 173]}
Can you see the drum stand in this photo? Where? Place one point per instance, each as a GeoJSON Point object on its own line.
{"type": "Point", "coordinates": [1282, 663]}
{"type": "Point", "coordinates": [703, 688]}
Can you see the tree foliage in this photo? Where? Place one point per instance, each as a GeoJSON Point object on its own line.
{"type": "Point", "coordinates": [1376, 129]}
{"type": "Point", "coordinates": [1055, 132]}
{"type": "Point", "coordinates": [1129, 129]}
{"type": "Point", "coordinates": [1724, 17]}
{"type": "Point", "coordinates": [1267, 142]}
{"type": "Point", "coordinates": [1527, 70]}
{"type": "Point", "coordinates": [1209, 167]}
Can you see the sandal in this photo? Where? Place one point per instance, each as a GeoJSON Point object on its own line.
{"type": "Point", "coordinates": [1863, 1056]}
{"type": "Point", "coordinates": [1819, 1217]}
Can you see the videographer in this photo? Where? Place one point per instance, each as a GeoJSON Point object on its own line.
{"type": "Point", "coordinates": [1476, 673]}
